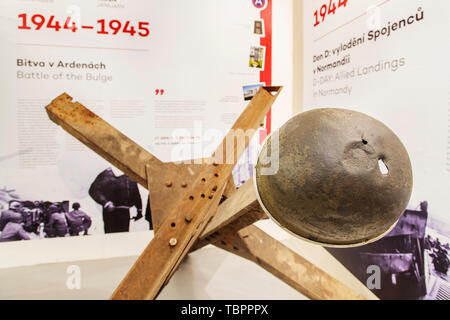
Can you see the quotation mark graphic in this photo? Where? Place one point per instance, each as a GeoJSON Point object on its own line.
{"type": "Point", "coordinates": [159, 92]}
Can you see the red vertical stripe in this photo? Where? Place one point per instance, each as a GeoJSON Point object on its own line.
{"type": "Point", "coordinates": [266, 75]}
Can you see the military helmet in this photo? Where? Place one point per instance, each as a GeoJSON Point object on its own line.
{"type": "Point", "coordinates": [15, 205]}
{"type": "Point", "coordinates": [335, 177]}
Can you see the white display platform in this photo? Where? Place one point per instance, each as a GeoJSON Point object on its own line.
{"type": "Point", "coordinates": [209, 273]}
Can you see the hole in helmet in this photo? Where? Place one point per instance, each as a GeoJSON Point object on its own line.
{"type": "Point", "coordinates": [383, 168]}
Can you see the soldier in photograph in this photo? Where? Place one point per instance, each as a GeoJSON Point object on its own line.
{"type": "Point", "coordinates": [116, 194]}
{"type": "Point", "coordinates": [78, 221]}
{"type": "Point", "coordinates": [13, 230]}
{"type": "Point", "coordinates": [56, 225]}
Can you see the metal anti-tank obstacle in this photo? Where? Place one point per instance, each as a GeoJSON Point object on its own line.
{"type": "Point", "coordinates": [187, 211]}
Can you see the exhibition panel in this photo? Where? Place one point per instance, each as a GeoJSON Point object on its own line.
{"type": "Point", "coordinates": [389, 59]}
{"type": "Point", "coordinates": [210, 149]}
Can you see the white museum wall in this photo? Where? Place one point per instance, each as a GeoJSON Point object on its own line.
{"type": "Point", "coordinates": [207, 274]}
{"type": "Point", "coordinates": [282, 60]}
{"type": "Point", "coordinates": [23, 253]}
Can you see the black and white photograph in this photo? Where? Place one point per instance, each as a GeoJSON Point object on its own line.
{"type": "Point", "coordinates": [413, 258]}
{"type": "Point", "coordinates": [114, 203]}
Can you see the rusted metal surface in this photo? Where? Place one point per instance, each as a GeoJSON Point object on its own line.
{"type": "Point", "coordinates": [157, 263]}
{"type": "Point", "coordinates": [252, 243]}
{"type": "Point", "coordinates": [102, 138]}
{"type": "Point", "coordinates": [329, 187]}
{"type": "Point", "coordinates": [182, 221]}
{"type": "Point", "coordinates": [163, 198]}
